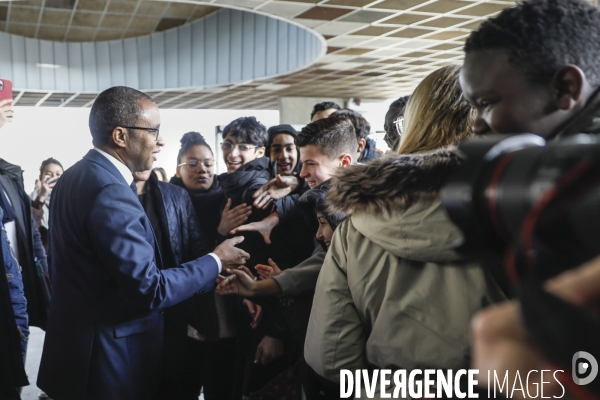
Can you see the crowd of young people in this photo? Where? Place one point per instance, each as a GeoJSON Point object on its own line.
{"type": "Point", "coordinates": [352, 256]}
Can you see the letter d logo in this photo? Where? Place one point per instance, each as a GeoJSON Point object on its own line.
{"type": "Point", "coordinates": [584, 368]}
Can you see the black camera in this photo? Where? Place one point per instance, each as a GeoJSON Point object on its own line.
{"type": "Point", "coordinates": [527, 207]}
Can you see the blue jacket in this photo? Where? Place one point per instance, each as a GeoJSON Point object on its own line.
{"type": "Point", "coordinates": [105, 330]}
{"type": "Point", "coordinates": [15, 284]}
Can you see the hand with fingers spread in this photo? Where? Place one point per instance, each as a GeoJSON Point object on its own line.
{"type": "Point", "coordinates": [255, 312]}
{"type": "Point", "coordinates": [269, 350]}
{"type": "Point", "coordinates": [6, 111]}
{"type": "Point", "coordinates": [233, 217]}
{"type": "Point", "coordinates": [276, 188]}
{"type": "Point", "coordinates": [231, 256]}
{"type": "Point", "coordinates": [267, 271]}
{"type": "Point", "coordinates": [240, 281]}
{"type": "Point", "coordinates": [264, 227]}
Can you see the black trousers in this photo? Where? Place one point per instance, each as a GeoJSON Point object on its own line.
{"type": "Point", "coordinates": [189, 365]}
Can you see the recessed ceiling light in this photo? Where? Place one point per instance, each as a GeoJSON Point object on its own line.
{"type": "Point", "coordinates": [54, 66]}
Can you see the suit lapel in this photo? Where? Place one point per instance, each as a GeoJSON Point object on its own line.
{"type": "Point", "coordinates": [105, 163]}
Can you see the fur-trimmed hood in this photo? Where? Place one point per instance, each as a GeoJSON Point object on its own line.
{"type": "Point", "coordinates": [394, 202]}
{"type": "Point", "coordinates": [391, 182]}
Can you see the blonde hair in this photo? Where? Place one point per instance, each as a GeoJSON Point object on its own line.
{"type": "Point", "coordinates": [437, 113]}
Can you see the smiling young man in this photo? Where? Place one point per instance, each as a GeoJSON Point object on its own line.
{"type": "Point", "coordinates": [244, 143]}
{"type": "Point", "coordinates": [325, 145]}
{"type": "Point", "coordinates": [534, 69]}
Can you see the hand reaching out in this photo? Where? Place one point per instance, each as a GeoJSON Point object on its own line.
{"type": "Point", "coordinates": [267, 271]}
{"type": "Point", "coordinates": [276, 188]}
{"type": "Point", "coordinates": [264, 227]}
{"type": "Point", "coordinates": [233, 217]}
{"type": "Point", "coordinates": [240, 281]}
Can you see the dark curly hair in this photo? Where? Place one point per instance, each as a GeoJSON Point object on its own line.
{"type": "Point", "coordinates": [249, 130]}
{"type": "Point", "coordinates": [190, 140]}
{"type": "Point", "coordinates": [541, 36]}
{"type": "Point", "coordinates": [326, 105]}
{"type": "Point", "coordinates": [361, 125]}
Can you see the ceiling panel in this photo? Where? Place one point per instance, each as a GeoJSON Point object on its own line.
{"type": "Point", "coordinates": [377, 48]}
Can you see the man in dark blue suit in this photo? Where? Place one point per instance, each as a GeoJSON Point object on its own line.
{"type": "Point", "coordinates": [105, 331]}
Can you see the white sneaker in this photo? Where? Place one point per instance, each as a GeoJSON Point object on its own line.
{"type": "Point", "coordinates": [43, 395]}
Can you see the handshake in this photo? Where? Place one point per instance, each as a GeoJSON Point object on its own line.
{"type": "Point", "coordinates": [231, 256]}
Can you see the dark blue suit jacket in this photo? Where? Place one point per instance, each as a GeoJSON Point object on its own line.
{"type": "Point", "coordinates": [105, 331]}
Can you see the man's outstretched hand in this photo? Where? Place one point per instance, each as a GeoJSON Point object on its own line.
{"type": "Point", "coordinates": [276, 188]}
{"type": "Point", "coordinates": [231, 256]}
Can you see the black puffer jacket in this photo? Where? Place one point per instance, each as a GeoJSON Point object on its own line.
{"type": "Point", "coordinates": [174, 208]}
{"type": "Point", "coordinates": [210, 314]}
{"type": "Point", "coordinates": [239, 186]}
{"type": "Point", "coordinates": [208, 204]}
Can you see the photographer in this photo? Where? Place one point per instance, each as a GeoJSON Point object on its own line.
{"type": "Point", "coordinates": [534, 69]}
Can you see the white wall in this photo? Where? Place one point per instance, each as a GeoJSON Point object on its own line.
{"type": "Point", "coordinates": [296, 110]}
{"type": "Point", "coordinates": [63, 133]}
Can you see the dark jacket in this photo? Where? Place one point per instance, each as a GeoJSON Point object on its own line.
{"type": "Point", "coordinates": [292, 240]}
{"type": "Point", "coordinates": [369, 152]}
{"type": "Point", "coordinates": [15, 284]}
{"type": "Point", "coordinates": [208, 205]}
{"type": "Point", "coordinates": [210, 314]}
{"type": "Point", "coordinates": [239, 187]}
{"type": "Point", "coordinates": [13, 322]}
{"type": "Point", "coordinates": [105, 332]}
{"type": "Point", "coordinates": [30, 244]}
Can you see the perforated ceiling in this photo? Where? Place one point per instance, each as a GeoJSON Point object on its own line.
{"type": "Point", "coordinates": [376, 48]}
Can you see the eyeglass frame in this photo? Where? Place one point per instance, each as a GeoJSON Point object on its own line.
{"type": "Point", "coordinates": [145, 129]}
{"type": "Point", "coordinates": [198, 162]}
{"type": "Point", "coordinates": [399, 125]}
{"type": "Point", "coordinates": [234, 145]}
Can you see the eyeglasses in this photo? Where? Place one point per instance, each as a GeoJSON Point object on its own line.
{"type": "Point", "coordinates": [399, 124]}
{"type": "Point", "coordinates": [227, 146]}
{"type": "Point", "coordinates": [192, 163]}
{"type": "Point", "coordinates": [154, 131]}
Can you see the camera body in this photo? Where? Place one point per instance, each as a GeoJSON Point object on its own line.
{"type": "Point", "coordinates": [527, 208]}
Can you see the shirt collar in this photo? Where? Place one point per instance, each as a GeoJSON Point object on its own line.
{"type": "Point", "coordinates": [122, 168]}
